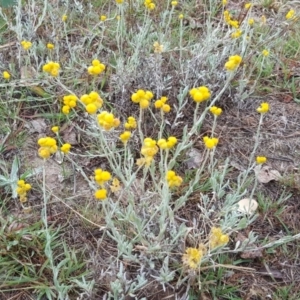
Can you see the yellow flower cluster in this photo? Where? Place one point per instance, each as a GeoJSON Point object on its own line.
{"type": "Point", "coordinates": [236, 34]}
{"type": "Point", "coordinates": [233, 62]}
{"type": "Point", "coordinates": [107, 120]}
{"type": "Point", "coordinates": [92, 101]}
{"type": "Point", "coordinates": [161, 104]}
{"type": "Point", "coordinates": [101, 177]}
{"type": "Point", "coordinates": [52, 68]}
{"type": "Point", "coordinates": [149, 4]}
{"type": "Point", "coordinates": [210, 143]}
{"type": "Point", "coordinates": [174, 3]}
{"type": "Point", "coordinates": [248, 5]}
{"type": "Point", "coordinates": [290, 15]}
{"type": "Point", "coordinates": [64, 18]}
{"type": "Point", "coordinates": [149, 149]}
{"type": "Point", "coordinates": [55, 129]}
{"type": "Point", "coordinates": [265, 52]}
{"type": "Point", "coordinates": [200, 94]}
{"type": "Point", "coordinates": [101, 194]}
{"type": "Point", "coordinates": [261, 160]}
{"type": "Point", "coordinates": [65, 148]}
{"type": "Point", "coordinates": [158, 48]}
{"type": "Point", "coordinates": [216, 110]}
{"type": "Point", "coordinates": [70, 101]}
{"type": "Point", "coordinates": [103, 18]}
{"type": "Point", "coordinates": [251, 21]}
{"type": "Point", "coordinates": [47, 147]}
{"type": "Point", "coordinates": [229, 21]}
{"type": "Point", "coordinates": [96, 68]}
{"type": "Point", "coordinates": [263, 108]}
{"type": "Point", "coordinates": [119, 1]}
{"type": "Point", "coordinates": [173, 180]}
{"type": "Point", "coordinates": [6, 75]}
{"type": "Point", "coordinates": [163, 144]}
{"type": "Point", "coordinates": [142, 97]}
{"type": "Point", "coordinates": [26, 45]}
{"type": "Point", "coordinates": [131, 123]}
{"type": "Point", "coordinates": [50, 46]}
{"type": "Point", "coordinates": [22, 190]}
{"type": "Point", "coordinates": [217, 238]}
{"type": "Point", "coordinates": [192, 256]}
{"type": "Point", "coordinates": [125, 136]}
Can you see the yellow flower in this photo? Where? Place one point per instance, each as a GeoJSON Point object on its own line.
{"type": "Point", "coordinates": [234, 23]}
{"type": "Point", "coordinates": [174, 3]}
{"type": "Point", "coordinates": [210, 143]}
{"type": "Point", "coordinates": [163, 144]}
{"type": "Point", "coordinates": [6, 75]}
{"type": "Point", "coordinates": [119, 1]}
{"type": "Point", "coordinates": [131, 123]}
{"type": "Point", "coordinates": [180, 17]}
{"type": "Point", "coordinates": [103, 18]}
{"type": "Point", "coordinates": [263, 108]}
{"type": "Point", "coordinates": [233, 62]}
{"type": "Point", "coordinates": [96, 68]}
{"type": "Point", "coordinates": [192, 257]}
{"type": "Point", "coordinates": [173, 180]}
{"type": "Point", "coordinates": [215, 110]}
{"type": "Point", "coordinates": [248, 5]}
{"type": "Point", "coordinates": [161, 104]}
{"type": "Point", "coordinates": [107, 120]}
{"type": "Point", "coordinates": [55, 129]}
{"type": "Point", "coordinates": [217, 238]}
{"type": "Point", "coordinates": [149, 4]}
{"type": "Point", "coordinates": [158, 48]}
{"type": "Point", "coordinates": [265, 52]}
{"type": "Point", "coordinates": [51, 68]}
{"type": "Point", "coordinates": [224, 2]}
{"type": "Point", "coordinates": [47, 147]}
{"type": "Point", "coordinates": [142, 97]}
{"type": "Point", "coordinates": [50, 46]}
{"type": "Point", "coordinates": [125, 136]}
{"type": "Point", "coordinates": [251, 21]}
{"type": "Point", "coordinates": [65, 148]}
{"type": "Point", "coordinates": [26, 45]}
{"type": "Point", "coordinates": [290, 14]}
{"type": "Point", "coordinates": [200, 94]}
{"type": "Point", "coordinates": [236, 34]}
{"type": "Point", "coordinates": [22, 189]}
{"type": "Point", "coordinates": [101, 176]}
{"type": "Point", "coordinates": [261, 159]}
{"type": "Point", "coordinates": [93, 102]}
{"type": "Point", "coordinates": [101, 194]}
{"type": "Point", "coordinates": [149, 149]}
{"type": "Point", "coordinates": [65, 109]}
{"type": "Point", "coordinates": [263, 19]}
{"type": "Point", "coordinates": [64, 18]}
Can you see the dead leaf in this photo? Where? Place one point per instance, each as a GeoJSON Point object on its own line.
{"type": "Point", "coordinates": [247, 206]}
{"type": "Point", "coordinates": [272, 272]}
{"type": "Point", "coordinates": [254, 253]}
{"type": "Point", "coordinates": [248, 254]}
{"type": "Point", "coordinates": [38, 125]}
{"type": "Point", "coordinates": [265, 174]}
{"type": "Point", "coordinates": [195, 160]}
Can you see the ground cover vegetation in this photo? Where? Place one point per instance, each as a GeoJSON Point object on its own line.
{"type": "Point", "coordinates": [149, 149]}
